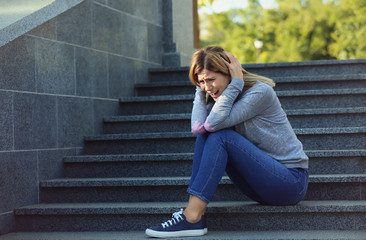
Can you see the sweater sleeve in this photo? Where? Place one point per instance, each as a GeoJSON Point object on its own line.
{"type": "Point", "coordinates": [228, 113]}
{"type": "Point", "coordinates": [199, 112]}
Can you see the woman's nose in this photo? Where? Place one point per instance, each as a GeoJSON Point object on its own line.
{"type": "Point", "coordinates": [208, 86]}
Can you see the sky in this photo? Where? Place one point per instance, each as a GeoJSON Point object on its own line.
{"type": "Point", "coordinates": [224, 5]}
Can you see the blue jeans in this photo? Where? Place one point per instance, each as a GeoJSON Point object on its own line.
{"type": "Point", "coordinates": [255, 173]}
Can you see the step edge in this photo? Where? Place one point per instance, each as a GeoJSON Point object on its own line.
{"type": "Point", "coordinates": [185, 116]}
{"type": "Point", "coordinates": [169, 207]}
{"type": "Point", "coordinates": [189, 156]}
{"type": "Point", "coordinates": [129, 157]}
{"type": "Point", "coordinates": [279, 80]}
{"type": "Point", "coordinates": [321, 92]}
{"type": "Point", "coordinates": [148, 117]}
{"type": "Point", "coordinates": [177, 181]}
{"type": "Point", "coordinates": [280, 93]}
{"type": "Point", "coordinates": [165, 135]}
{"type": "Point", "coordinates": [139, 136]}
{"type": "Point", "coordinates": [277, 64]}
{"type": "Point", "coordinates": [213, 235]}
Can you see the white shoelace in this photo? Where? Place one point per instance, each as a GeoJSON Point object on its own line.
{"type": "Point", "coordinates": [176, 218]}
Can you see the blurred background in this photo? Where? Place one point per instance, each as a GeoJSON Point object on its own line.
{"type": "Point", "coordinates": [14, 10]}
{"type": "Point", "coordinates": [261, 31]}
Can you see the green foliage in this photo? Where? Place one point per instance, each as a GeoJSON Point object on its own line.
{"type": "Point", "coordinates": [202, 3]}
{"type": "Point", "coordinates": [350, 30]}
{"type": "Point", "coordinates": [296, 30]}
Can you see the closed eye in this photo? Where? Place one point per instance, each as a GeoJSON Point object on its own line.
{"type": "Point", "coordinates": [207, 80]}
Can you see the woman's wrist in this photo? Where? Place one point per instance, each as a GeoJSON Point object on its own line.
{"type": "Point", "coordinates": [237, 82]}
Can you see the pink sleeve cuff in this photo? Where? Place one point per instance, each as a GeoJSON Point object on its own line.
{"type": "Point", "coordinates": [198, 128]}
{"type": "Point", "coordinates": [208, 127]}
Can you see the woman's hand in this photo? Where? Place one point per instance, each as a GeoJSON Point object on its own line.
{"type": "Point", "coordinates": [234, 66]}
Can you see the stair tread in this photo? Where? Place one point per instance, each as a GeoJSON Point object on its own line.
{"type": "Point", "coordinates": [130, 157]}
{"type": "Point", "coordinates": [169, 207]}
{"type": "Point", "coordinates": [322, 92]}
{"type": "Point", "coordinates": [149, 117]}
{"type": "Point", "coordinates": [176, 181]}
{"type": "Point", "coordinates": [282, 93]}
{"type": "Point", "coordinates": [122, 136]}
{"type": "Point", "coordinates": [336, 153]}
{"type": "Point", "coordinates": [325, 111]}
{"type": "Point", "coordinates": [314, 63]}
{"type": "Point", "coordinates": [157, 98]}
{"type": "Point", "coordinates": [212, 235]}
{"type": "Point", "coordinates": [316, 78]}
{"type": "Point", "coordinates": [189, 156]}
{"type": "Point", "coordinates": [289, 79]}
{"type": "Point", "coordinates": [166, 84]}
{"type": "Point", "coordinates": [185, 116]}
{"type": "Point", "coordinates": [336, 130]}
{"type": "Point", "coordinates": [162, 135]}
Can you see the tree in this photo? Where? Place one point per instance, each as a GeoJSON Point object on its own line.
{"type": "Point", "coordinates": [350, 30]}
{"type": "Point", "coordinates": [296, 30]}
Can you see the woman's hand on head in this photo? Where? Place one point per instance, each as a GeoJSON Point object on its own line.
{"type": "Point", "coordinates": [234, 66]}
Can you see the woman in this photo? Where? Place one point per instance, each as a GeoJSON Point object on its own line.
{"type": "Point", "coordinates": [241, 128]}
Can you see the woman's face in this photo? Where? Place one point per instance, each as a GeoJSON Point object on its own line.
{"type": "Point", "coordinates": [213, 83]}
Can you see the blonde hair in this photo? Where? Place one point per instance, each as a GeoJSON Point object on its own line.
{"type": "Point", "coordinates": [211, 58]}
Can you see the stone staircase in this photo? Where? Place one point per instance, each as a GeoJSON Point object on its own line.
{"type": "Point", "coordinates": [136, 173]}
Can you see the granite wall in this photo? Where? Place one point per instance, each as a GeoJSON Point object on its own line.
{"type": "Point", "coordinates": [59, 80]}
{"type": "Point", "coordinates": [183, 30]}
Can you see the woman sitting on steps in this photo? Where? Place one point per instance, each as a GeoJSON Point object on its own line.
{"type": "Point", "coordinates": [240, 128]}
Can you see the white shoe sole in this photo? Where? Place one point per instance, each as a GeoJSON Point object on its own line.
{"type": "Point", "coordinates": [183, 233]}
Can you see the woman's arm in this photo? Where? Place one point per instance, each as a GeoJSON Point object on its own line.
{"type": "Point", "coordinates": [227, 114]}
{"type": "Point", "coordinates": [199, 112]}
{"type": "Point", "coordinates": [224, 104]}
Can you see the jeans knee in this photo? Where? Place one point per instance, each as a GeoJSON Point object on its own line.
{"type": "Point", "coordinates": [221, 133]}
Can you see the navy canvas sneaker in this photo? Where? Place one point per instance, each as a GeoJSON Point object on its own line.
{"type": "Point", "coordinates": [178, 227]}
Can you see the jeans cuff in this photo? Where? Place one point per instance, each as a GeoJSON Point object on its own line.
{"type": "Point", "coordinates": [199, 195]}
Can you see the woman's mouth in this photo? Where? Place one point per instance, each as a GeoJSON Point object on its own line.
{"type": "Point", "coordinates": [215, 94]}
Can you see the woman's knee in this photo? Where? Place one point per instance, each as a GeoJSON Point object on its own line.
{"type": "Point", "coordinates": [221, 133]}
{"type": "Point", "coordinates": [223, 136]}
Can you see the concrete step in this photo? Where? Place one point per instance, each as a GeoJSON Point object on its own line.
{"type": "Point", "coordinates": [285, 69]}
{"type": "Point", "coordinates": [165, 88]}
{"type": "Point", "coordinates": [311, 82]}
{"type": "Point", "coordinates": [139, 143]}
{"type": "Point", "coordinates": [327, 117]}
{"type": "Point", "coordinates": [212, 235]}
{"type": "Point", "coordinates": [306, 68]}
{"type": "Point", "coordinates": [315, 82]}
{"type": "Point", "coordinates": [323, 98]}
{"type": "Point", "coordinates": [170, 189]}
{"type": "Point", "coordinates": [173, 164]}
{"type": "Point", "coordinates": [332, 138]}
{"type": "Point", "coordinates": [169, 104]}
{"type": "Point", "coordinates": [183, 142]}
{"type": "Point", "coordinates": [337, 161]}
{"type": "Point", "coordinates": [296, 99]}
{"type": "Point", "coordinates": [147, 123]}
{"type": "Point", "coordinates": [303, 118]}
{"type": "Point", "coordinates": [128, 165]}
{"type": "Point", "coordinates": [221, 216]}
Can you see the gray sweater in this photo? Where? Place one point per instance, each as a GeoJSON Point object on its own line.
{"type": "Point", "coordinates": [257, 115]}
